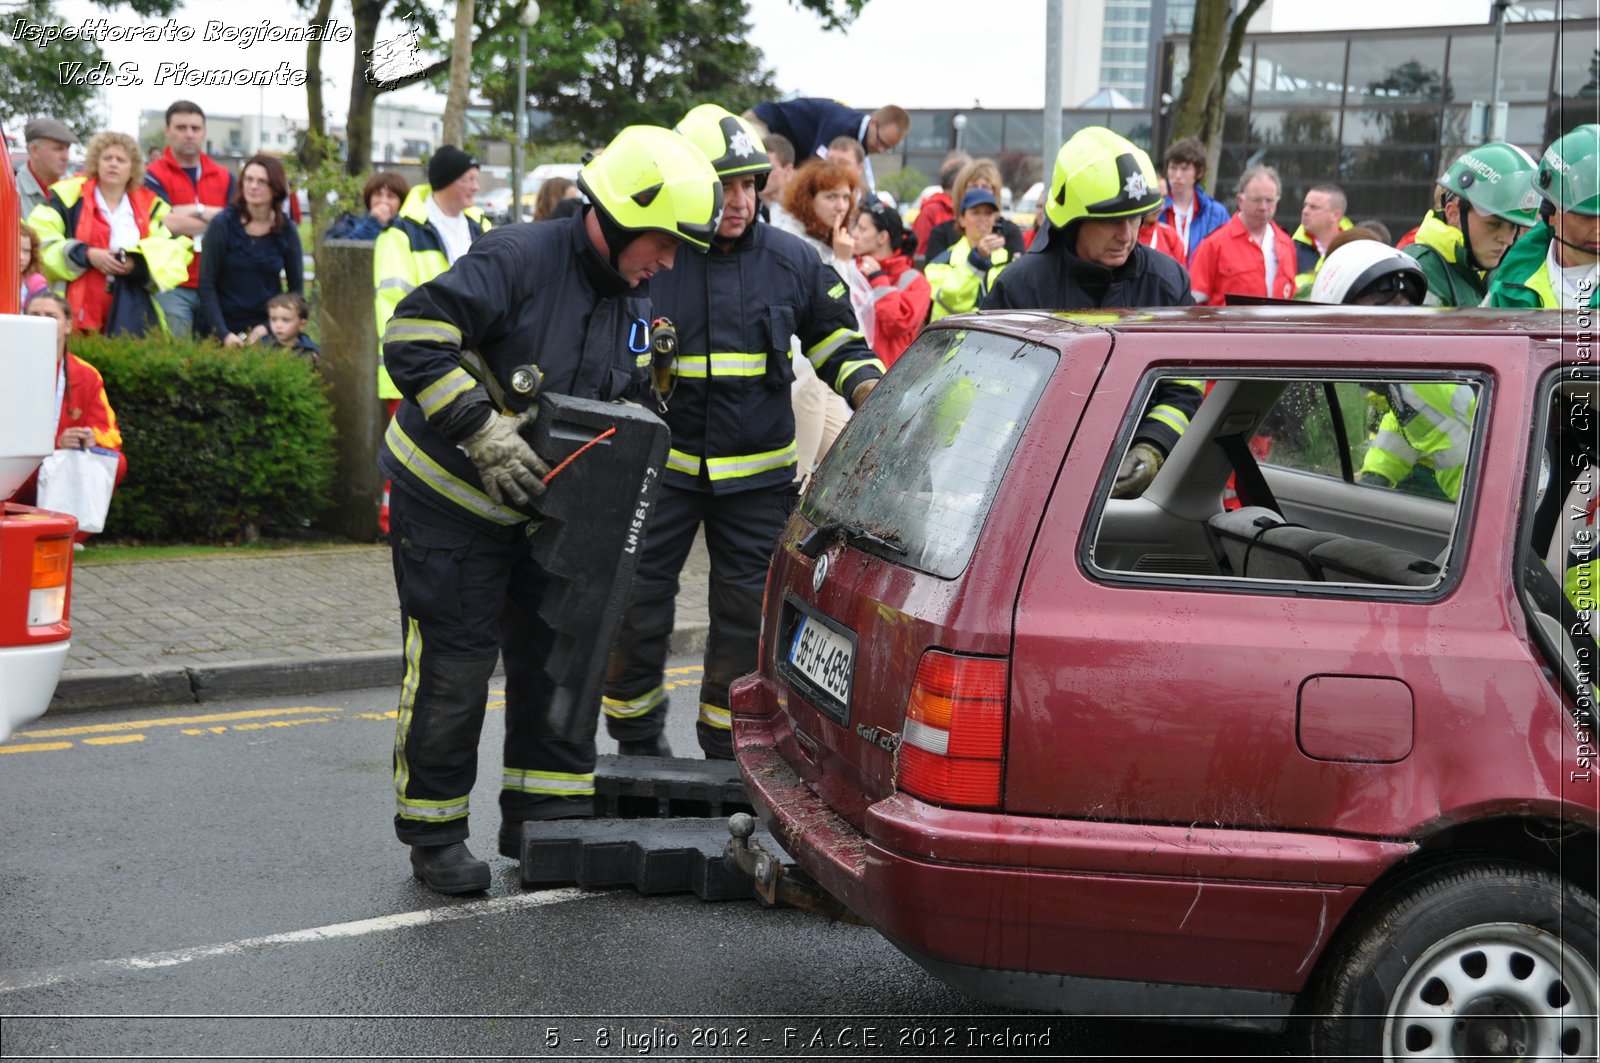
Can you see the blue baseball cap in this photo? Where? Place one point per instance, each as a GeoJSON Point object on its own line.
{"type": "Point", "coordinates": [977, 197]}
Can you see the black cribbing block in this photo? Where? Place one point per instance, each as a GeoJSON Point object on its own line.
{"type": "Point", "coordinates": [667, 787]}
{"type": "Point", "coordinates": [587, 536]}
{"type": "Point", "coordinates": [652, 856]}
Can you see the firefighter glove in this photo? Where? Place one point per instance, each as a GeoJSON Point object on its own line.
{"type": "Point", "coordinates": [509, 468]}
{"type": "Point", "coordinates": [1139, 466]}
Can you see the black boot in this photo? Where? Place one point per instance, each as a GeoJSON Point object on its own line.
{"type": "Point", "coordinates": [546, 809]}
{"type": "Point", "coordinates": [449, 868]}
{"type": "Point", "coordinates": [655, 746]}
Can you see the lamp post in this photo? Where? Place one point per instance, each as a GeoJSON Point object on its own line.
{"type": "Point", "coordinates": [960, 123]}
{"type": "Point", "coordinates": [529, 16]}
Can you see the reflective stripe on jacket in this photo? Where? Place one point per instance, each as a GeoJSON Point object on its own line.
{"type": "Point", "coordinates": [1428, 424]}
{"type": "Point", "coordinates": [407, 254]}
{"type": "Point", "coordinates": [960, 285]}
{"type": "Point", "coordinates": [735, 311]}
{"type": "Point", "coordinates": [527, 295]}
{"type": "Point", "coordinates": [60, 222]}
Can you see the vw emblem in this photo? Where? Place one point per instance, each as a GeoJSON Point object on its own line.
{"type": "Point", "coordinates": [819, 574]}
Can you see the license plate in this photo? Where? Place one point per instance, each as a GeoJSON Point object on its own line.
{"type": "Point", "coordinates": [823, 656]}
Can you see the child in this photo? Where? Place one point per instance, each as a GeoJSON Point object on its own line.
{"type": "Point", "coordinates": [287, 314]}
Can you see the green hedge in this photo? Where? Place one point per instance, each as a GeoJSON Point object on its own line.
{"type": "Point", "coordinates": [220, 443]}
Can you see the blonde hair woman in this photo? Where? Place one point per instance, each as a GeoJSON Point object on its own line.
{"type": "Point", "coordinates": [101, 233]}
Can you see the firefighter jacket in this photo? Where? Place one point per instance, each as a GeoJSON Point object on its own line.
{"type": "Point", "coordinates": [526, 295]}
{"type": "Point", "coordinates": [1441, 251]}
{"type": "Point", "coordinates": [1427, 424]}
{"type": "Point", "coordinates": [960, 279]}
{"type": "Point", "coordinates": [1522, 281]}
{"type": "Point", "coordinates": [409, 253]}
{"type": "Point", "coordinates": [735, 310]}
{"type": "Point", "coordinates": [166, 177]}
{"type": "Point", "coordinates": [1231, 262]}
{"type": "Point", "coordinates": [1052, 277]}
{"type": "Point", "coordinates": [67, 231]}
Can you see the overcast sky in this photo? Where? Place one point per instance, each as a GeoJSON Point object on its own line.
{"type": "Point", "coordinates": [892, 53]}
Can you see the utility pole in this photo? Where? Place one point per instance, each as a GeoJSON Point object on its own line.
{"type": "Point", "coordinates": [1052, 87]}
{"type": "Point", "coordinates": [529, 16]}
{"type": "Point", "coordinates": [1494, 128]}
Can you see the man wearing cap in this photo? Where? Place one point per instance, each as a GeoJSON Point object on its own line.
{"type": "Point", "coordinates": [435, 226]}
{"type": "Point", "coordinates": [48, 141]}
{"type": "Point", "coordinates": [196, 187]}
{"type": "Point", "coordinates": [1486, 200]}
{"type": "Point", "coordinates": [569, 297]}
{"type": "Point", "coordinates": [731, 467]}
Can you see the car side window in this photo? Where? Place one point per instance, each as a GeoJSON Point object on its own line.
{"type": "Point", "coordinates": [1337, 485]}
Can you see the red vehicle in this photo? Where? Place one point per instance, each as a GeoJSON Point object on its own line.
{"type": "Point", "coordinates": [1328, 758]}
{"type": "Point", "coordinates": [35, 544]}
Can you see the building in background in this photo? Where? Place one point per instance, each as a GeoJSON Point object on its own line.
{"type": "Point", "coordinates": [1381, 112]}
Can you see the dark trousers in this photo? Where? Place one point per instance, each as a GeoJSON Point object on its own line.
{"type": "Point", "coordinates": [466, 596]}
{"type": "Point", "coordinates": [742, 530]}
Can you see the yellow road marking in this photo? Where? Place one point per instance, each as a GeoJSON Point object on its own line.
{"type": "Point", "coordinates": [171, 721]}
{"type": "Point", "coordinates": [42, 747]}
{"type": "Point", "coordinates": [113, 740]}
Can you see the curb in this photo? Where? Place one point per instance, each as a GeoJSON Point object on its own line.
{"type": "Point", "coordinates": [104, 689]}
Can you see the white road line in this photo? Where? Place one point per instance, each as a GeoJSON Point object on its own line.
{"type": "Point", "coordinates": [359, 928]}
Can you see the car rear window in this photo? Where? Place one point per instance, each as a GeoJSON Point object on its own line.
{"type": "Point", "coordinates": [918, 465]}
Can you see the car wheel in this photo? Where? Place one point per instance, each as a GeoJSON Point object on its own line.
{"type": "Point", "coordinates": [1465, 963]}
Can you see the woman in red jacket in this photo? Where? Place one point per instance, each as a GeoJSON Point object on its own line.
{"type": "Point", "coordinates": [900, 293]}
{"type": "Point", "coordinates": [85, 418]}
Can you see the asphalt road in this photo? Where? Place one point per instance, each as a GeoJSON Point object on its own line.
{"type": "Point", "coordinates": [225, 883]}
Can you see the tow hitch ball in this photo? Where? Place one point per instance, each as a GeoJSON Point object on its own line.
{"type": "Point", "coordinates": [774, 884]}
{"type": "Point", "coordinates": [746, 854]}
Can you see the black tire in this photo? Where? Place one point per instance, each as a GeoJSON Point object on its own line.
{"type": "Point", "coordinates": [1491, 960]}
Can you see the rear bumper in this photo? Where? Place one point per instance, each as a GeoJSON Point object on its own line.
{"type": "Point", "coordinates": [28, 676]}
{"type": "Point", "coordinates": [1021, 910]}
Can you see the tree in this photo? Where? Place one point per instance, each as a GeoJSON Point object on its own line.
{"type": "Point", "coordinates": [597, 65]}
{"type": "Point", "coordinates": [40, 79]}
{"type": "Point", "coordinates": [1215, 43]}
{"type": "Point", "coordinates": [455, 107]}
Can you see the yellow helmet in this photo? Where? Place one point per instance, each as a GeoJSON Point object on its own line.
{"type": "Point", "coordinates": [731, 143]}
{"type": "Point", "coordinates": [652, 179]}
{"type": "Point", "coordinates": [1099, 174]}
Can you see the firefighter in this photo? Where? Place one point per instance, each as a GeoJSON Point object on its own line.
{"type": "Point", "coordinates": [732, 462]}
{"type": "Point", "coordinates": [1486, 200]}
{"type": "Point", "coordinates": [1553, 265]}
{"type": "Point", "coordinates": [569, 298]}
{"type": "Point", "coordinates": [1101, 188]}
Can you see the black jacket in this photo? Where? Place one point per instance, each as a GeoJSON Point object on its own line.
{"type": "Point", "coordinates": [1051, 277]}
{"type": "Point", "coordinates": [524, 295]}
{"type": "Point", "coordinates": [735, 311]}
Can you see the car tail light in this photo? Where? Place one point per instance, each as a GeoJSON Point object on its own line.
{"type": "Point", "coordinates": [953, 745]}
{"type": "Point", "coordinates": [47, 586]}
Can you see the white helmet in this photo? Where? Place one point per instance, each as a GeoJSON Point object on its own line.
{"type": "Point", "coordinates": [1369, 268]}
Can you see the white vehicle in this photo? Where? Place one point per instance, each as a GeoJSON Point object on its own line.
{"type": "Point", "coordinates": [497, 204]}
{"type": "Point", "coordinates": [35, 544]}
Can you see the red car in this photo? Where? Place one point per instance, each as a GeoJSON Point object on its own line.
{"type": "Point", "coordinates": [1303, 733]}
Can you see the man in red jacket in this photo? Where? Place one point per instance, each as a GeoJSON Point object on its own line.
{"type": "Point", "coordinates": [197, 188]}
{"type": "Point", "coordinates": [1250, 255]}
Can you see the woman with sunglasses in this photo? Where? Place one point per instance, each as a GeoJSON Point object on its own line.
{"type": "Point", "coordinates": [901, 296]}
